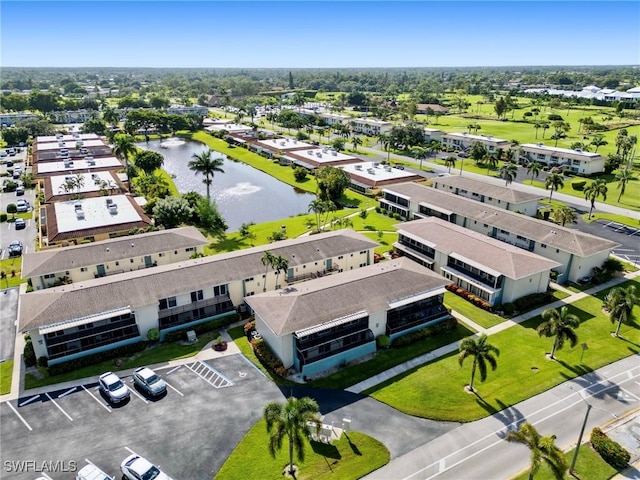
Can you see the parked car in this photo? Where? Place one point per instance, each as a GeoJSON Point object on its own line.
{"type": "Point", "coordinates": [22, 206]}
{"type": "Point", "coordinates": [3, 153]}
{"type": "Point", "coordinates": [20, 190]}
{"type": "Point", "coordinates": [134, 467]}
{"type": "Point", "coordinates": [149, 381]}
{"type": "Point", "coordinates": [585, 280]}
{"type": "Point", "coordinates": [463, 154]}
{"type": "Point", "coordinates": [20, 223]}
{"type": "Point", "coordinates": [114, 388]}
{"type": "Point", "coordinates": [15, 249]}
{"type": "Point", "coordinates": [399, 166]}
{"type": "Point", "coordinates": [9, 163]}
{"type": "Point", "coordinates": [91, 472]}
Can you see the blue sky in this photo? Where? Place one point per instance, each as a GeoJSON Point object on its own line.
{"type": "Point", "coordinates": [300, 34]}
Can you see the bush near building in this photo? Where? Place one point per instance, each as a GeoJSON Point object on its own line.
{"type": "Point", "coordinates": [610, 451]}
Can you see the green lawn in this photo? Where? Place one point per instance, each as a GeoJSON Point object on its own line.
{"type": "Point", "coordinates": [12, 267]}
{"type": "Point", "coordinates": [523, 370]}
{"type": "Point", "coordinates": [352, 457]}
{"type": "Point", "coordinates": [481, 317]}
{"type": "Point", "coordinates": [589, 466]}
{"type": "Point", "coordinates": [612, 217]}
{"type": "Point", "coordinates": [157, 355]}
{"type": "Point", "coordinates": [6, 373]}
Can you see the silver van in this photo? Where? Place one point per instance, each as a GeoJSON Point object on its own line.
{"type": "Point", "coordinates": [91, 472]}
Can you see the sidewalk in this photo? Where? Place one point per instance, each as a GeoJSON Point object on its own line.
{"type": "Point", "coordinates": [453, 347]}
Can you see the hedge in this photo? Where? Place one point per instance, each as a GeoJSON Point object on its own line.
{"type": "Point", "coordinates": [461, 292]}
{"type": "Point", "coordinates": [578, 185]}
{"type": "Point", "coordinates": [444, 326]}
{"type": "Point", "coordinates": [610, 451]}
{"type": "Point", "coordinates": [268, 359]}
{"type": "Point", "coordinates": [383, 341]}
{"type": "Point", "coordinates": [99, 357]}
{"type": "Point", "coordinates": [29, 353]}
{"type": "Point", "coordinates": [210, 326]}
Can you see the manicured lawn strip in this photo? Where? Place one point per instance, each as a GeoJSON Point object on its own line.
{"type": "Point", "coordinates": [478, 315]}
{"type": "Point", "coordinates": [156, 355]}
{"type": "Point", "coordinates": [559, 295]}
{"type": "Point", "coordinates": [386, 241]}
{"type": "Point", "coordinates": [12, 267]}
{"type": "Point", "coordinates": [6, 372]}
{"type": "Point", "coordinates": [611, 217]}
{"type": "Point", "coordinates": [167, 178]}
{"type": "Point", "coordinates": [630, 199]}
{"type": "Point", "coordinates": [386, 359]}
{"type": "Point", "coordinates": [589, 466]}
{"type": "Point", "coordinates": [373, 223]}
{"type": "Point", "coordinates": [349, 458]}
{"type": "Point", "coordinates": [436, 390]}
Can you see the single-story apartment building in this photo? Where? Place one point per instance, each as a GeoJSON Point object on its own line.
{"type": "Point", "coordinates": [485, 192]}
{"type": "Point", "coordinates": [579, 161]}
{"type": "Point", "coordinates": [59, 188]}
{"type": "Point", "coordinates": [328, 321]}
{"type": "Point", "coordinates": [79, 263]}
{"type": "Point", "coordinates": [488, 268]}
{"type": "Point", "coordinates": [77, 165]}
{"type": "Point", "coordinates": [575, 251]}
{"type": "Point", "coordinates": [367, 176]}
{"type": "Point", "coordinates": [98, 314]}
{"type": "Point", "coordinates": [319, 157]}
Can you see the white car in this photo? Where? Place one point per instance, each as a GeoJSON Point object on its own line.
{"type": "Point", "coordinates": [134, 467]}
{"type": "Point", "coordinates": [91, 472]}
{"type": "Point", "coordinates": [149, 381]}
{"type": "Point", "coordinates": [113, 387]}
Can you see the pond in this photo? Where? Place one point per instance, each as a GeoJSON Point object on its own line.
{"type": "Point", "coordinates": [243, 194]}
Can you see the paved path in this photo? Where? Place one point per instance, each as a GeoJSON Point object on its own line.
{"type": "Point", "coordinates": [453, 347]}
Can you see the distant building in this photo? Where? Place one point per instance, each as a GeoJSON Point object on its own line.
{"type": "Point", "coordinates": [73, 116]}
{"type": "Point", "coordinates": [370, 127]}
{"type": "Point", "coordinates": [182, 110]}
{"type": "Point", "coordinates": [578, 161]}
{"type": "Point", "coordinates": [87, 164]}
{"type": "Point", "coordinates": [319, 157]}
{"type": "Point", "coordinates": [463, 141]}
{"type": "Point", "coordinates": [431, 134]}
{"type": "Point", "coordinates": [422, 108]}
{"type": "Point", "coordinates": [366, 176]}
{"type": "Point", "coordinates": [10, 119]}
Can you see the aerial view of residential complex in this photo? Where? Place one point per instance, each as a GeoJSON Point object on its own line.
{"type": "Point", "coordinates": [319, 240]}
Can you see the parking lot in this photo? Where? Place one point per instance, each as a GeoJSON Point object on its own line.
{"type": "Point", "coordinates": [627, 237]}
{"type": "Point", "coordinates": [188, 432]}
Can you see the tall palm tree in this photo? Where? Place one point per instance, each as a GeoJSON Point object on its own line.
{"type": "Point", "coordinates": [293, 420]}
{"type": "Point", "coordinates": [543, 449]}
{"type": "Point", "coordinates": [623, 177]}
{"type": "Point", "coordinates": [280, 265]}
{"type": "Point", "coordinates": [267, 260]}
{"type": "Point", "coordinates": [419, 153]}
{"type": "Point", "coordinates": [599, 141]}
{"type": "Point", "coordinates": [565, 214]}
{"type": "Point", "coordinates": [385, 141]}
{"type": "Point", "coordinates": [553, 182]}
{"type": "Point", "coordinates": [492, 161]}
{"type": "Point", "coordinates": [508, 172]}
{"type": "Point", "coordinates": [482, 353]}
{"type": "Point", "coordinates": [534, 169]}
{"type": "Point", "coordinates": [596, 189]}
{"type": "Point", "coordinates": [450, 162]}
{"type": "Point", "coordinates": [206, 165]}
{"type": "Point", "coordinates": [356, 141]}
{"type": "Point", "coordinates": [124, 147]}
{"type": "Point", "coordinates": [619, 302]}
{"type": "Point", "coordinates": [110, 116]}
{"type": "Point", "coordinates": [559, 324]}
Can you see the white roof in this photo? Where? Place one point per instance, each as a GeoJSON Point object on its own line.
{"type": "Point", "coordinates": [481, 138]}
{"type": "Point", "coordinates": [371, 121]}
{"type": "Point", "coordinates": [66, 138]}
{"type": "Point", "coordinates": [284, 144]}
{"type": "Point", "coordinates": [551, 149]}
{"type": "Point", "coordinates": [376, 171]}
{"type": "Point", "coordinates": [78, 164]}
{"type": "Point", "coordinates": [324, 155]}
{"type": "Point", "coordinates": [70, 144]}
{"type": "Point", "coordinates": [91, 182]}
{"type": "Point", "coordinates": [93, 213]}
{"type": "Point", "coordinates": [229, 127]}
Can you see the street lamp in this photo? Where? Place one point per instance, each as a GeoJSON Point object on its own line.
{"type": "Point", "coordinates": [584, 425]}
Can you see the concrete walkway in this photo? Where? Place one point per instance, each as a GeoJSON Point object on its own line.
{"type": "Point", "coordinates": [453, 347]}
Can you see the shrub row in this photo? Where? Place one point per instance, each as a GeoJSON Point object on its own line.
{"type": "Point", "coordinates": [610, 451]}
{"type": "Point", "coordinates": [527, 303]}
{"type": "Point", "coordinates": [444, 326]}
{"type": "Point", "coordinates": [210, 326]}
{"type": "Point", "coordinates": [390, 214]}
{"type": "Point", "coordinates": [461, 292]}
{"type": "Point", "coordinates": [383, 341]}
{"type": "Point", "coordinates": [578, 185]}
{"type": "Point", "coordinates": [248, 328]}
{"type": "Point", "coordinates": [29, 353]}
{"type": "Point", "coordinates": [267, 358]}
{"type": "Point", "coordinates": [82, 362]}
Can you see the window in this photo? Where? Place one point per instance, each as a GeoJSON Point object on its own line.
{"type": "Point", "coordinates": [504, 232]}
{"type": "Point", "coordinates": [117, 263]}
{"type": "Point", "coordinates": [219, 290]}
{"type": "Point", "coordinates": [190, 249]}
{"type": "Point", "coordinates": [250, 279]}
{"type": "Point", "coordinates": [340, 257]}
{"type": "Point", "coordinates": [363, 252]}
{"type": "Point", "coordinates": [161, 254]}
{"type": "Point", "coordinates": [249, 294]}
{"type": "Point", "coordinates": [486, 226]}
{"type": "Point", "coordinates": [167, 303]}
{"type": "Point", "coordinates": [131, 260]}
{"type": "Point", "coordinates": [83, 269]}
{"type": "Point", "coordinates": [50, 275]}
{"type": "Point", "coordinates": [196, 296]}
{"type": "Point", "coordinates": [542, 245]}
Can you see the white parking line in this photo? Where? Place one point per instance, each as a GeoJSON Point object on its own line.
{"type": "Point", "coordinates": [173, 370]}
{"type": "Point", "coordinates": [133, 390]}
{"type": "Point", "coordinates": [59, 407]}
{"type": "Point", "coordinates": [20, 416]}
{"type": "Point", "coordinates": [130, 451]}
{"type": "Point", "coordinates": [71, 390]}
{"type": "Point", "coordinates": [174, 389]}
{"type": "Point", "coordinates": [27, 402]}
{"type": "Point", "coordinates": [106, 407]}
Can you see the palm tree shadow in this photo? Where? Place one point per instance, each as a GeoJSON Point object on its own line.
{"type": "Point", "coordinates": [507, 415]}
{"type": "Point", "coordinates": [354, 447]}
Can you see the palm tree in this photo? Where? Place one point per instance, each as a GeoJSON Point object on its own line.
{"type": "Point", "coordinates": [508, 172]}
{"type": "Point", "coordinates": [593, 191]}
{"type": "Point", "coordinates": [598, 141]}
{"type": "Point", "coordinates": [318, 207]}
{"type": "Point", "coordinates": [623, 177]}
{"type": "Point", "coordinates": [280, 264]}
{"type": "Point", "coordinates": [356, 141]}
{"type": "Point", "coordinates": [559, 324]}
{"type": "Point", "coordinates": [419, 153]}
{"type": "Point", "coordinates": [267, 260]}
{"type": "Point", "coordinates": [553, 182]}
{"type": "Point", "coordinates": [206, 165]}
{"type": "Point", "coordinates": [293, 420]}
{"type": "Point", "coordinates": [565, 214]}
{"type": "Point", "coordinates": [534, 169]}
{"type": "Point", "coordinates": [450, 162]}
{"type": "Point", "coordinates": [543, 449]}
{"type": "Point", "coordinates": [124, 146]}
{"type": "Point", "coordinates": [482, 353]}
{"type": "Point", "coordinates": [385, 141]}
{"type": "Point", "coordinates": [110, 116]}
{"type": "Point", "coordinates": [492, 161]}
{"type": "Point", "coordinates": [619, 302]}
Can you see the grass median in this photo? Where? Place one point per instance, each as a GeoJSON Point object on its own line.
{"type": "Point", "coordinates": [6, 373]}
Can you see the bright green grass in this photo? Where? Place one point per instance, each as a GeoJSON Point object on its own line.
{"type": "Point", "coordinates": [386, 359]}
{"type": "Point", "coordinates": [6, 373]}
{"type": "Point", "coordinates": [167, 178]}
{"type": "Point", "coordinates": [157, 355]}
{"type": "Point", "coordinates": [612, 217]}
{"type": "Point", "coordinates": [523, 370]}
{"type": "Point", "coordinates": [386, 241]}
{"type": "Point", "coordinates": [352, 457]}
{"type": "Point", "coordinates": [589, 466]}
{"type": "Point", "coordinates": [631, 198]}
{"type": "Point", "coordinates": [481, 317]}
{"type": "Point", "coordinates": [559, 295]}
{"type": "Point", "coordinates": [12, 267]}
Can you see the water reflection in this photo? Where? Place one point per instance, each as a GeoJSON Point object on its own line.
{"type": "Point", "coordinates": [243, 194]}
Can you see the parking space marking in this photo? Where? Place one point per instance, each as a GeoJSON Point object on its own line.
{"type": "Point", "coordinates": [133, 390]}
{"type": "Point", "coordinates": [20, 416]}
{"type": "Point", "coordinates": [174, 389]}
{"type": "Point", "coordinates": [130, 451]}
{"type": "Point", "coordinates": [173, 370]}
{"type": "Point", "coordinates": [59, 407]}
{"type": "Point", "coordinates": [106, 407]}
{"type": "Point", "coordinates": [27, 402]}
{"type": "Point", "coordinates": [71, 390]}
{"type": "Point", "coordinates": [210, 375]}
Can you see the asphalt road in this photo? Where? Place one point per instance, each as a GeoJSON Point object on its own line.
{"type": "Point", "coordinates": [478, 451]}
{"type": "Point", "coordinates": [8, 316]}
